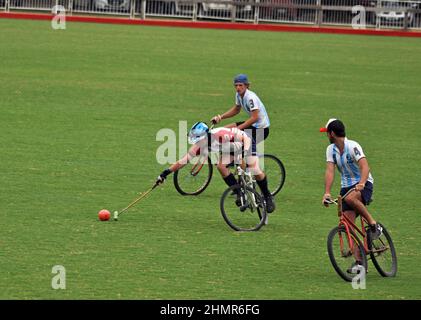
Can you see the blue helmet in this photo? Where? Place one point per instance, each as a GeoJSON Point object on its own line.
{"type": "Point", "coordinates": [198, 132]}
{"type": "Point", "coordinates": [241, 78]}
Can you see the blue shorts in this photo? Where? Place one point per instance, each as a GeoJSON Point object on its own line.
{"type": "Point", "coordinates": [366, 195]}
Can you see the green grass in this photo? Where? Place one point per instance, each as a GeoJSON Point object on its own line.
{"type": "Point", "coordinates": [79, 112]}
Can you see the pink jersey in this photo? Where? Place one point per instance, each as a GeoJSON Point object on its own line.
{"type": "Point", "coordinates": [223, 140]}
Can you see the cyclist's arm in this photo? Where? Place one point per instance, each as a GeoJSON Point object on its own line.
{"type": "Point", "coordinates": [231, 112]}
{"type": "Point", "coordinates": [364, 171]}
{"type": "Point", "coordinates": [253, 119]}
{"type": "Point", "coordinates": [329, 178]}
{"type": "Point", "coordinates": [193, 151]}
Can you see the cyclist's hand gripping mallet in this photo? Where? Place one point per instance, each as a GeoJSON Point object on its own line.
{"type": "Point", "coordinates": [143, 195]}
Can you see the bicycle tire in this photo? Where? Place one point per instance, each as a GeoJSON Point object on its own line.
{"type": "Point", "coordinates": [250, 221]}
{"type": "Point", "coordinates": [276, 179]}
{"type": "Point", "coordinates": [375, 258]}
{"type": "Point", "coordinates": [332, 256]}
{"type": "Point", "coordinates": [183, 189]}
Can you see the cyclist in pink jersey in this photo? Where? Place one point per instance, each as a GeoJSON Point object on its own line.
{"type": "Point", "coordinates": [230, 143]}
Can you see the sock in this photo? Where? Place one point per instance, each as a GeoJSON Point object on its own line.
{"type": "Point", "coordinates": [263, 184]}
{"type": "Point", "coordinates": [230, 180]}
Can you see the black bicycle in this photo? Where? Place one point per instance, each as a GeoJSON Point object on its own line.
{"type": "Point", "coordinates": [195, 177]}
{"type": "Point", "coordinates": [242, 207]}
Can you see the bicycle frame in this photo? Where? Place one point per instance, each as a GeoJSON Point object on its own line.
{"type": "Point", "coordinates": [246, 179]}
{"type": "Point", "coordinates": [350, 226]}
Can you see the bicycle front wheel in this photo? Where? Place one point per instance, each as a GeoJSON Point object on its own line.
{"type": "Point", "coordinates": [243, 209]}
{"type": "Point", "coordinates": [383, 254]}
{"type": "Point", "coordinates": [195, 177]}
{"type": "Point", "coordinates": [275, 172]}
{"type": "Point", "coordinates": [344, 252]}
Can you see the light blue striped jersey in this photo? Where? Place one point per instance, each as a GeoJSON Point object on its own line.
{"type": "Point", "coordinates": [251, 102]}
{"type": "Point", "coordinates": [347, 163]}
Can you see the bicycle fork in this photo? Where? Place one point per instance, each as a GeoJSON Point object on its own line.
{"type": "Point", "coordinates": [247, 198]}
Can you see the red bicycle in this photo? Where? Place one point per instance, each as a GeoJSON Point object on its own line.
{"type": "Point", "coordinates": [347, 243]}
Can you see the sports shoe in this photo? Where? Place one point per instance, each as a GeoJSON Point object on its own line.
{"type": "Point", "coordinates": [375, 231]}
{"type": "Point", "coordinates": [270, 205]}
{"type": "Point", "coordinates": [351, 269]}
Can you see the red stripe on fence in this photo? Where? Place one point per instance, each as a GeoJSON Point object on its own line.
{"type": "Point", "coordinates": [216, 25]}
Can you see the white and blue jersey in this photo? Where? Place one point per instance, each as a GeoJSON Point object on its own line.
{"type": "Point", "coordinates": [250, 102]}
{"type": "Point", "coordinates": [347, 163]}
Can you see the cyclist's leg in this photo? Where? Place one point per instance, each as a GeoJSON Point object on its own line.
{"type": "Point", "coordinates": [261, 180]}
{"type": "Point", "coordinates": [357, 200]}
{"type": "Point", "coordinates": [253, 166]}
{"type": "Point", "coordinates": [226, 174]}
{"type": "Point", "coordinates": [351, 215]}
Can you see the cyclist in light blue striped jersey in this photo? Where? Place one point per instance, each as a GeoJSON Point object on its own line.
{"type": "Point", "coordinates": [257, 125]}
{"type": "Point", "coordinates": [348, 156]}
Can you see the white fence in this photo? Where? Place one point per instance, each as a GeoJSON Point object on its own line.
{"type": "Point", "coordinates": [373, 13]}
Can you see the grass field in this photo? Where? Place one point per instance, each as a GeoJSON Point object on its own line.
{"type": "Point", "coordinates": [79, 113]}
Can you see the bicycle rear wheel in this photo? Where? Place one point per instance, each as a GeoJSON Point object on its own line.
{"type": "Point", "coordinates": [383, 254]}
{"type": "Point", "coordinates": [195, 177]}
{"type": "Point", "coordinates": [341, 254]}
{"type": "Point", "coordinates": [250, 215]}
{"type": "Point", "coordinates": [275, 172]}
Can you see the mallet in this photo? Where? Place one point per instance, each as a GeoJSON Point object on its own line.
{"type": "Point", "coordinates": [143, 195]}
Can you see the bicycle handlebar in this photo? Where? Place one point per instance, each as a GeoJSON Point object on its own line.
{"type": "Point", "coordinates": [331, 201]}
{"type": "Point", "coordinates": [335, 201]}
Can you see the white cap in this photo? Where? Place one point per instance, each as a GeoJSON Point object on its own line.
{"type": "Point", "coordinates": [324, 129]}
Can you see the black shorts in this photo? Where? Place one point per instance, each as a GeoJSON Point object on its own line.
{"type": "Point", "coordinates": [366, 195]}
{"type": "Point", "coordinates": [257, 135]}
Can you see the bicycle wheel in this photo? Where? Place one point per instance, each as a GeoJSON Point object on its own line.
{"type": "Point", "coordinates": [250, 215]}
{"type": "Point", "coordinates": [383, 254]}
{"type": "Point", "coordinates": [195, 177]}
{"type": "Point", "coordinates": [275, 171]}
{"type": "Point", "coordinates": [340, 252]}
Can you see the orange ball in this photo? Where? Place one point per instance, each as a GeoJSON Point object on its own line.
{"type": "Point", "coordinates": [104, 215]}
